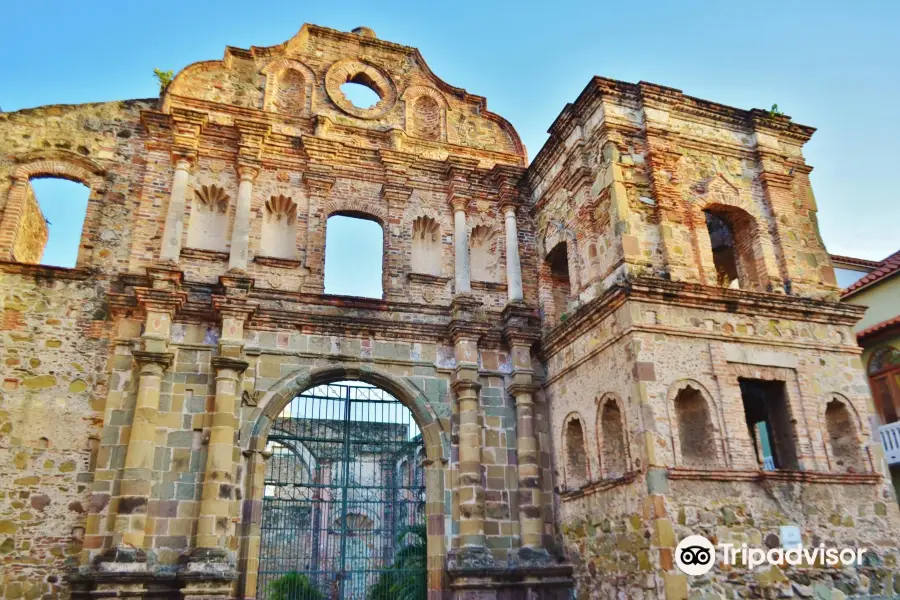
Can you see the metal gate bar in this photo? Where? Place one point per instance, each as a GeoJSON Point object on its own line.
{"type": "Point", "coordinates": [344, 503]}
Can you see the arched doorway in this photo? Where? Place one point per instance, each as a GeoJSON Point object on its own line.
{"type": "Point", "coordinates": [343, 506]}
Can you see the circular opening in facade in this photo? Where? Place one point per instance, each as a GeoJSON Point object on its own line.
{"type": "Point", "coordinates": [360, 94]}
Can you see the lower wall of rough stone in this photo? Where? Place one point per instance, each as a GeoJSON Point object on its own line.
{"type": "Point", "coordinates": [835, 515]}
{"type": "Point", "coordinates": [605, 537]}
{"type": "Point", "coordinates": [53, 388]}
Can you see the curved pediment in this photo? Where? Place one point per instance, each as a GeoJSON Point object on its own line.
{"type": "Point", "coordinates": [299, 82]}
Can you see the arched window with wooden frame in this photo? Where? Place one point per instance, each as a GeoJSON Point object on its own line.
{"type": "Point", "coordinates": [884, 380]}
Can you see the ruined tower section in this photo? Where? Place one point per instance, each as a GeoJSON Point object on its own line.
{"type": "Point", "coordinates": [700, 374]}
{"type": "Point", "coordinates": [140, 387]}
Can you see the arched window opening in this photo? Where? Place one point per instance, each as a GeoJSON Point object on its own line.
{"type": "Point", "coordinates": [732, 236]}
{"type": "Point", "coordinates": [426, 247]}
{"type": "Point", "coordinates": [354, 250]}
{"type": "Point", "coordinates": [613, 452]}
{"type": "Point", "coordinates": [208, 226]}
{"type": "Point", "coordinates": [769, 423]}
{"type": "Point", "coordinates": [426, 115]}
{"type": "Point", "coordinates": [52, 221]}
{"type": "Point", "coordinates": [361, 91]}
{"type": "Point", "coordinates": [576, 455]}
{"type": "Point", "coordinates": [845, 450]}
{"type": "Point", "coordinates": [884, 380]}
{"type": "Point", "coordinates": [484, 254]}
{"type": "Point", "coordinates": [695, 430]}
{"type": "Point", "coordinates": [554, 284]}
{"type": "Point", "coordinates": [279, 228]}
{"type": "Point", "coordinates": [343, 507]}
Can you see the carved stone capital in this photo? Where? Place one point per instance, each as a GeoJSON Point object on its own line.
{"type": "Point", "coordinates": [233, 364]}
{"type": "Point", "coordinates": [163, 359]}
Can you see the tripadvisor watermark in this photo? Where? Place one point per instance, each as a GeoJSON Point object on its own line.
{"type": "Point", "coordinates": [695, 555]}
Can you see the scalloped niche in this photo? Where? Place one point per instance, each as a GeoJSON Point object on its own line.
{"type": "Point", "coordinates": [208, 226]}
{"type": "Point", "coordinates": [484, 253]}
{"type": "Point", "coordinates": [426, 247]}
{"type": "Point", "coordinates": [279, 228]}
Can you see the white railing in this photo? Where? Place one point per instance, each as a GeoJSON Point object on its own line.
{"type": "Point", "coordinates": [890, 439]}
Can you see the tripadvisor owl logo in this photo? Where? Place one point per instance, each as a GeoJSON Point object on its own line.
{"type": "Point", "coordinates": [695, 555]}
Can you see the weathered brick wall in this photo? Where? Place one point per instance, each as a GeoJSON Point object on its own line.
{"type": "Point", "coordinates": [629, 170]}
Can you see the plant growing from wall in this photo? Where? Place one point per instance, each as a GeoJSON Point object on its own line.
{"type": "Point", "coordinates": [293, 586]}
{"type": "Point", "coordinates": [407, 577]}
{"type": "Point", "coordinates": [774, 112]}
{"type": "Point", "coordinates": [164, 78]}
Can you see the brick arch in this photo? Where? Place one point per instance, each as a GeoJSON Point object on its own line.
{"type": "Point", "coordinates": [356, 207]}
{"type": "Point", "coordinates": [424, 121]}
{"type": "Point", "coordinates": [613, 399]}
{"type": "Point", "coordinates": [720, 196]}
{"type": "Point", "coordinates": [58, 164]}
{"type": "Point", "coordinates": [858, 426]}
{"type": "Point", "coordinates": [572, 481]}
{"type": "Point", "coordinates": [274, 70]}
{"type": "Point", "coordinates": [713, 414]}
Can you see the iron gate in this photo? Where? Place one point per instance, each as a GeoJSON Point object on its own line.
{"type": "Point", "coordinates": [343, 513]}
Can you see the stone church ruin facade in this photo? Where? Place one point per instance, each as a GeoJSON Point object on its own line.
{"type": "Point", "coordinates": [633, 338]}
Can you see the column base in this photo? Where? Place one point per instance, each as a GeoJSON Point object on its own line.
{"type": "Point", "coordinates": [470, 558]}
{"type": "Point", "coordinates": [525, 558]}
{"type": "Point", "coordinates": [546, 582]}
{"type": "Point", "coordinates": [123, 559]}
{"type": "Point", "coordinates": [206, 564]}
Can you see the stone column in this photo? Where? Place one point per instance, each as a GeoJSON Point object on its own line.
{"type": "Point", "coordinates": [172, 234]}
{"type": "Point", "coordinates": [160, 303]}
{"type": "Point", "coordinates": [513, 265]}
{"type": "Point", "coordinates": [521, 329]}
{"type": "Point", "coordinates": [240, 235]}
{"type": "Point", "coordinates": [472, 551]}
{"type": "Point", "coordinates": [256, 465]}
{"type": "Point", "coordinates": [218, 485]}
{"type": "Point", "coordinates": [215, 544]}
{"type": "Point", "coordinates": [134, 487]}
{"type": "Point", "coordinates": [461, 246]}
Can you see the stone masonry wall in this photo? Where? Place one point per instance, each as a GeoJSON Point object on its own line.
{"type": "Point", "coordinates": [54, 364]}
{"type": "Point", "coordinates": [33, 235]}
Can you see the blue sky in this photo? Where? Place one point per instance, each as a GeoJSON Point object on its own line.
{"type": "Point", "coordinates": [827, 64]}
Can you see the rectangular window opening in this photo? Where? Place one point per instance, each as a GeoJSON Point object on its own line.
{"type": "Point", "coordinates": [769, 423]}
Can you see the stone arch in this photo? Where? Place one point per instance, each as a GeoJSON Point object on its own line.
{"type": "Point", "coordinates": [842, 434]}
{"type": "Point", "coordinates": [275, 72]}
{"type": "Point", "coordinates": [287, 388]}
{"type": "Point", "coordinates": [255, 433]}
{"type": "Point", "coordinates": [612, 437]}
{"type": "Point", "coordinates": [694, 418]}
{"type": "Point", "coordinates": [425, 109]}
{"type": "Point", "coordinates": [576, 464]}
{"type": "Point", "coordinates": [58, 164]}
